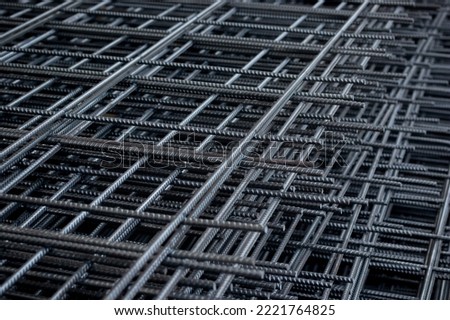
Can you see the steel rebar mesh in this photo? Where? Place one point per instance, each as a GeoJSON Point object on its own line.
{"type": "Point", "coordinates": [228, 149]}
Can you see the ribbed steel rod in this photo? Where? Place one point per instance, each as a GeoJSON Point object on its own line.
{"type": "Point", "coordinates": [224, 150]}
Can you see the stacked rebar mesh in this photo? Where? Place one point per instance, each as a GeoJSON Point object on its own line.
{"type": "Point", "coordinates": [226, 149]}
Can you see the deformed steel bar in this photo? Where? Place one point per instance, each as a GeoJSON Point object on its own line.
{"type": "Point", "coordinates": [224, 149]}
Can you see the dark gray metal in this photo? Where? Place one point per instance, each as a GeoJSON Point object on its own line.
{"type": "Point", "coordinates": [224, 149]}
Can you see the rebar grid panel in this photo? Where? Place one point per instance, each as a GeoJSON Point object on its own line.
{"type": "Point", "coordinates": [224, 150]}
